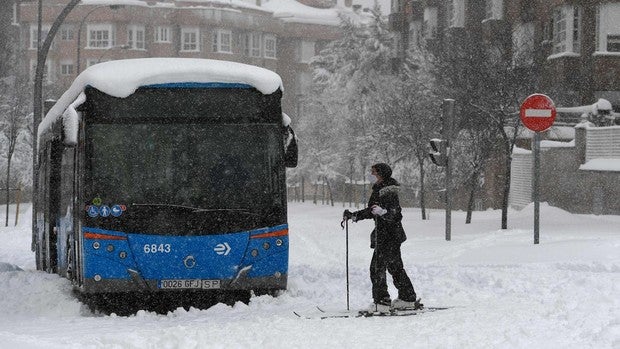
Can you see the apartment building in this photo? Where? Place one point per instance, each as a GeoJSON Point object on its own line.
{"type": "Point", "coordinates": [9, 36]}
{"type": "Point", "coordinates": [574, 44]}
{"type": "Point", "coordinates": [281, 35]}
{"type": "Point", "coordinates": [574, 47]}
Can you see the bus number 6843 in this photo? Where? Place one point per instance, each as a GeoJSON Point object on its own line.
{"type": "Point", "coordinates": [154, 248]}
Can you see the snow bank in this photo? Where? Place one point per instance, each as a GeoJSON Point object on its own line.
{"type": "Point", "coordinates": [508, 292]}
{"type": "Point", "coordinates": [601, 165]}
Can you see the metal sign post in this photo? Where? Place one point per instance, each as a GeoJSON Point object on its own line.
{"type": "Point", "coordinates": [537, 114]}
{"type": "Point", "coordinates": [448, 121]}
{"type": "Point", "coordinates": [535, 187]}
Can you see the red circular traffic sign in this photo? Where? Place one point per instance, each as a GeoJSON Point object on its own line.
{"type": "Point", "coordinates": [537, 112]}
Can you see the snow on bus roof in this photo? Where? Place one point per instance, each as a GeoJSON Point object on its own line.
{"type": "Point", "coordinates": [121, 78]}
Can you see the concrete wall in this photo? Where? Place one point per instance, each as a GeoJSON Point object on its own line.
{"type": "Point", "coordinates": [563, 184]}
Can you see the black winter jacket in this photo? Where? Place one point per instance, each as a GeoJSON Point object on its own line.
{"type": "Point", "coordinates": [388, 228]}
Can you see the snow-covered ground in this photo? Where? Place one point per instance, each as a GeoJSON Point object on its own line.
{"type": "Point", "coordinates": [509, 293]}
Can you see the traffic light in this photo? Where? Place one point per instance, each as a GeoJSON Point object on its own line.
{"type": "Point", "coordinates": [439, 153]}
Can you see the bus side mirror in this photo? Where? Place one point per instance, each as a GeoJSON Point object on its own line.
{"type": "Point", "coordinates": [70, 124]}
{"type": "Point", "coordinates": [290, 149]}
{"type": "Point", "coordinates": [71, 121]}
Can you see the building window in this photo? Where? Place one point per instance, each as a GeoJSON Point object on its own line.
{"type": "Point", "coordinates": [135, 37]}
{"type": "Point", "coordinates": [559, 30]}
{"type": "Point", "coordinates": [613, 43]}
{"type": "Point", "coordinates": [395, 6]}
{"type": "Point", "coordinates": [255, 45]}
{"type": "Point", "coordinates": [66, 33]}
{"type": "Point", "coordinates": [34, 34]}
{"type": "Point", "coordinates": [47, 71]}
{"type": "Point", "coordinates": [523, 44]}
{"type": "Point", "coordinates": [430, 22]}
{"type": "Point", "coordinates": [66, 68]}
{"type": "Point", "coordinates": [577, 29]}
{"type": "Point", "coordinates": [566, 27]}
{"type": "Point", "coordinates": [91, 62]}
{"type": "Point", "coordinates": [270, 46]}
{"type": "Point", "coordinates": [162, 34]}
{"type": "Point", "coordinates": [415, 34]}
{"type": "Point", "coordinates": [190, 39]}
{"type": "Point", "coordinates": [305, 51]}
{"type": "Point", "coordinates": [222, 41]}
{"type": "Point", "coordinates": [607, 27]}
{"type": "Point", "coordinates": [100, 36]}
{"type": "Point", "coordinates": [251, 44]}
{"type": "Point", "coordinates": [494, 9]}
{"type": "Point", "coordinates": [14, 17]}
{"type": "Point", "coordinates": [304, 82]}
{"type": "Point", "coordinates": [456, 13]}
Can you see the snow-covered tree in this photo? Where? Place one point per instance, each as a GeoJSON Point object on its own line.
{"type": "Point", "coordinates": [15, 145]}
{"type": "Point", "coordinates": [15, 103]}
{"type": "Point", "coordinates": [338, 134]}
{"type": "Point", "coordinates": [488, 86]}
{"type": "Point", "coordinates": [361, 111]}
{"type": "Point", "coordinates": [406, 109]}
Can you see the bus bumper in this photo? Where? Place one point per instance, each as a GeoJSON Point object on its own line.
{"type": "Point", "coordinates": [91, 286]}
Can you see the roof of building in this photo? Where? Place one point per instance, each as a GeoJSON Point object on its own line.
{"type": "Point", "coordinates": [289, 11]}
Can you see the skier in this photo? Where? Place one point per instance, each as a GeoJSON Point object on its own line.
{"type": "Point", "coordinates": [385, 239]}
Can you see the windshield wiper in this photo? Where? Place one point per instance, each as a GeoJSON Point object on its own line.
{"type": "Point", "coordinates": [239, 210]}
{"type": "Point", "coordinates": [198, 209]}
{"type": "Point", "coordinates": [168, 205]}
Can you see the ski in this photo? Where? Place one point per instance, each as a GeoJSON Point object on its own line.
{"type": "Point", "coordinates": [323, 314]}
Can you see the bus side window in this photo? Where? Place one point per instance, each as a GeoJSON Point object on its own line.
{"type": "Point", "coordinates": [64, 221]}
{"type": "Point", "coordinates": [42, 188]}
{"type": "Point", "coordinates": [54, 178]}
{"type": "Point", "coordinates": [67, 180]}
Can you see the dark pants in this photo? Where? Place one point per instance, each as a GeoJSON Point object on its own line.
{"type": "Point", "coordinates": [387, 257]}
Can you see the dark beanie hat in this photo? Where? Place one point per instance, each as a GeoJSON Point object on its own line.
{"type": "Point", "coordinates": [383, 170]}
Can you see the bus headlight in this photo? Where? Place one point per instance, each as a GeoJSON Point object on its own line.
{"type": "Point", "coordinates": [96, 245]}
{"type": "Point", "coordinates": [279, 242]}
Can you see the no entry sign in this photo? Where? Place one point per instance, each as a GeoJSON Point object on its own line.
{"type": "Point", "coordinates": [537, 112]}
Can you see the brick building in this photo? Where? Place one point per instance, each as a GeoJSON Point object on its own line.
{"type": "Point", "coordinates": [576, 44]}
{"type": "Point", "coordinates": [573, 46]}
{"type": "Point", "coordinates": [9, 36]}
{"type": "Point", "coordinates": [281, 35]}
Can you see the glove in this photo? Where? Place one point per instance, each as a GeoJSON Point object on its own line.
{"type": "Point", "coordinates": [347, 215]}
{"type": "Point", "coordinates": [378, 210]}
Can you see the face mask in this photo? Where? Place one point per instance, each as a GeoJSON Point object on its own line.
{"type": "Point", "coordinates": [371, 178]}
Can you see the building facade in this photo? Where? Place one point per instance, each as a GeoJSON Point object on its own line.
{"type": "Point", "coordinates": [573, 46]}
{"type": "Point", "coordinates": [280, 35]}
{"type": "Point", "coordinates": [9, 36]}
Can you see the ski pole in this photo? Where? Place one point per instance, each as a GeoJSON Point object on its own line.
{"type": "Point", "coordinates": [345, 226]}
{"type": "Point", "coordinates": [347, 258]}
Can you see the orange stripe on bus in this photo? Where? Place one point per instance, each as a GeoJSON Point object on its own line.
{"type": "Point", "coordinates": [270, 234]}
{"type": "Point", "coordinates": [103, 236]}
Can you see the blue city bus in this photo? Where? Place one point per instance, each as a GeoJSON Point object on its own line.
{"type": "Point", "coordinates": [165, 176]}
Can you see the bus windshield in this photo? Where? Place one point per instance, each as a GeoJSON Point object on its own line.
{"type": "Point", "coordinates": [201, 167]}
